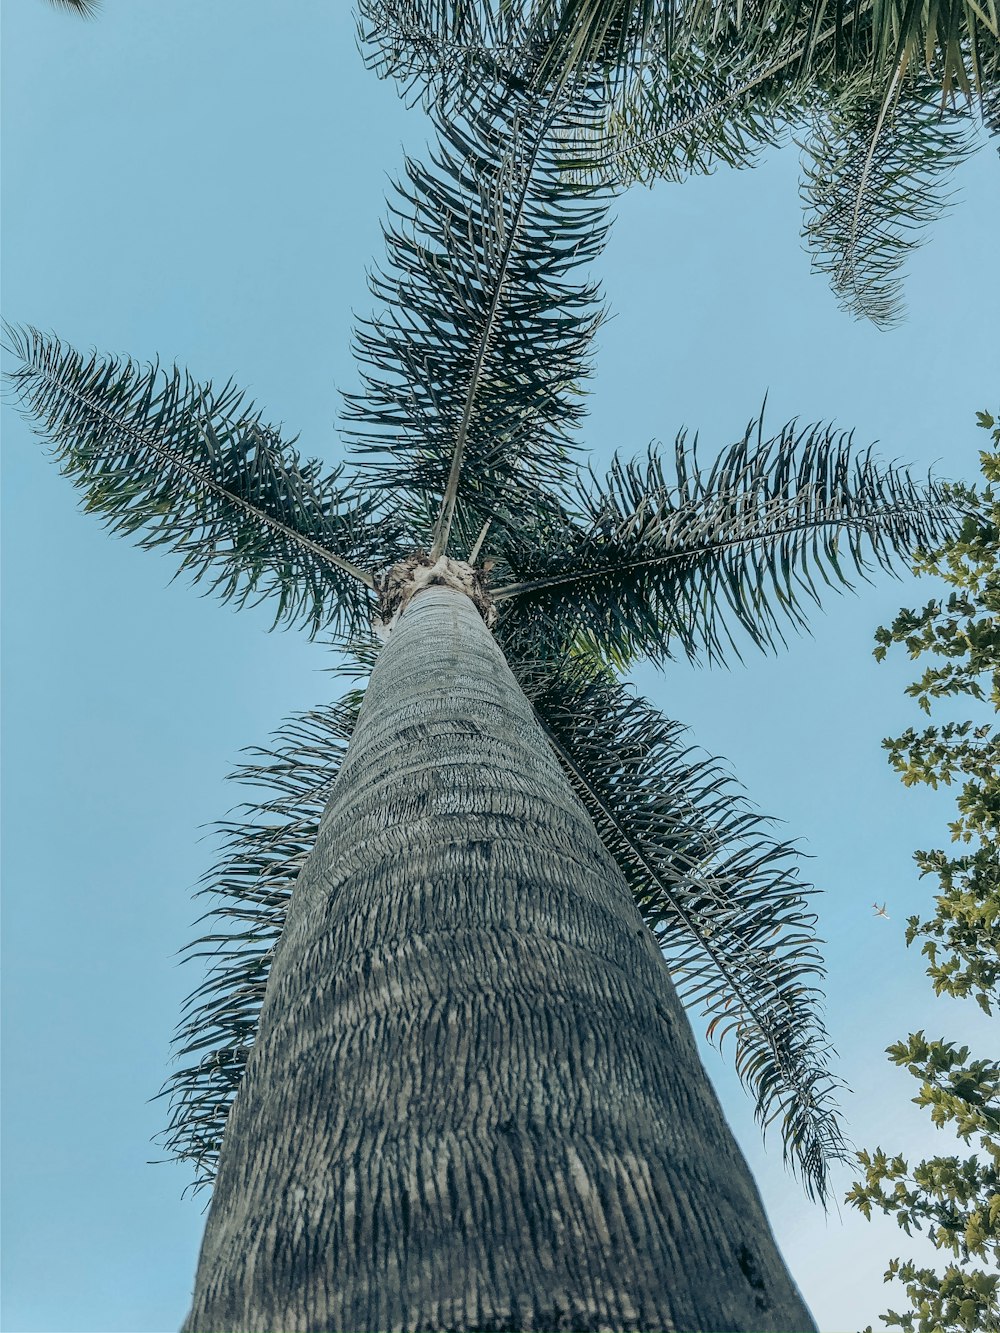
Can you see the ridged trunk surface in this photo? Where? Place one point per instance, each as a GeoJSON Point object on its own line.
{"type": "Point", "coordinates": [475, 1102]}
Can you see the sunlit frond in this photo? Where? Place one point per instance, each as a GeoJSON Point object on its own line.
{"type": "Point", "coordinates": [876, 170]}
{"type": "Point", "coordinates": [683, 557]}
{"type": "Point", "coordinates": [441, 53]}
{"type": "Point", "coordinates": [438, 42]}
{"type": "Point", "coordinates": [712, 103]}
{"type": "Point", "coordinates": [473, 365]}
{"type": "Point", "coordinates": [184, 465]}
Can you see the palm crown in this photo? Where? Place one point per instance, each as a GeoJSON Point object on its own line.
{"type": "Point", "coordinates": [463, 466]}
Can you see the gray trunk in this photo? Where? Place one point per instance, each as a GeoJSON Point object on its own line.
{"type": "Point", "coordinates": [475, 1102]}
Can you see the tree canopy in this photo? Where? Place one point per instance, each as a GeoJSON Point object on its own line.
{"type": "Point", "coordinates": [957, 1200]}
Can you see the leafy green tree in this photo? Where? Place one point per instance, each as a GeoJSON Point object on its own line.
{"type": "Point", "coordinates": [439, 1073]}
{"type": "Point", "coordinates": [957, 1200]}
{"type": "Point", "coordinates": [885, 101]}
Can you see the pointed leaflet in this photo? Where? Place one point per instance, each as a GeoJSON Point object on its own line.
{"type": "Point", "coordinates": [721, 896]}
{"type": "Point", "coordinates": [472, 367]}
{"type": "Point", "coordinates": [875, 171]}
{"type": "Point", "coordinates": [192, 467]}
{"type": "Point", "coordinates": [252, 884]}
{"type": "Point", "coordinates": [688, 560]}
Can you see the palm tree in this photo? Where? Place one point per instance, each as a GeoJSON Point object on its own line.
{"type": "Point", "coordinates": [885, 100]}
{"type": "Point", "coordinates": [440, 1073]}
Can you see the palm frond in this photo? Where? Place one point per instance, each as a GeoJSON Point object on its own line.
{"type": "Point", "coordinates": [686, 561]}
{"type": "Point", "coordinates": [87, 9]}
{"type": "Point", "coordinates": [720, 894]}
{"type": "Point", "coordinates": [252, 884]}
{"type": "Point", "coordinates": [875, 169]}
{"type": "Point", "coordinates": [440, 42]}
{"type": "Point", "coordinates": [441, 53]}
{"type": "Point", "coordinates": [952, 40]}
{"type": "Point", "coordinates": [990, 103]}
{"type": "Point", "coordinates": [875, 40]}
{"type": "Point", "coordinates": [616, 36]}
{"type": "Point", "coordinates": [711, 102]}
{"type": "Point", "coordinates": [473, 365]}
{"type": "Point", "coordinates": [185, 465]}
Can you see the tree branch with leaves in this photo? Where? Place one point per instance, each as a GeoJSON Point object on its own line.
{"type": "Point", "coordinates": [956, 1200]}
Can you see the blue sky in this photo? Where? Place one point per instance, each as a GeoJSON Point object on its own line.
{"type": "Point", "coordinates": [204, 183]}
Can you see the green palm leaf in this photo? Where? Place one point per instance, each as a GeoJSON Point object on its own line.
{"type": "Point", "coordinates": [688, 561]}
{"type": "Point", "coordinates": [441, 55]}
{"type": "Point", "coordinates": [184, 465]}
{"type": "Point", "coordinates": [431, 39]}
{"type": "Point", "coordinates": [472, 367]}
{"type": "Point", "coordinates": [687, 89]}
{"type": "Point", "coordinates": [721, 896]}
{"type": "Point", "coordinates": [875, 175]}
{"type": "Point", "coordinates": [709, 104]}
{"type": "Point", "coordinates": [617, 36]}
{"type": "Point", "coordinates": [955, 40]}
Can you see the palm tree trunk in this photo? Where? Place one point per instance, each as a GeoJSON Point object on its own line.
{"type": "Point", "coordinates": [475, 1102]}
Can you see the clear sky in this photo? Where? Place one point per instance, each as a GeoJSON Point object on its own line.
{"type": "Point", "coordinates": [204, 183]}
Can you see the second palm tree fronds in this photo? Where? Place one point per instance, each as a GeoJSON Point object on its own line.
{"type": "Point", "coordinates": [885, 101]}
{"type": "Point", "coordinates": [621, 36]}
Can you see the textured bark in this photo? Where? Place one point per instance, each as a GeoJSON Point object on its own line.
{"type": "Point", "coordinates": [475, 1101]}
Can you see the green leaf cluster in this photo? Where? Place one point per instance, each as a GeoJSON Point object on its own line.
{"type": "Point", "coordinates": [174, 463]}
{"type": "Point", "coordinates": [667, 543]}
{"type": "Point", "coordinates": [957, 1200]}
{"type": "Point", "coordinates": [620, 36]}
{"type": "Point", "coordinates": [876, 170]}
{"type": "Point", "coordinates": [960, 633]}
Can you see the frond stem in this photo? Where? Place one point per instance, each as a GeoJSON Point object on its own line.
{"type": "Point", "coordinates": [215, 487]}
{"type": "Point", "coordinates": [442, 527]}
{"type": "Point", "coordinates": [479, 541]}
{"type": "Point", "coordinates": [869, 159]}
{"type": "Point", "coordinates": [736, 94]}
{"type": "Point", "coordinates": [533, 585]}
